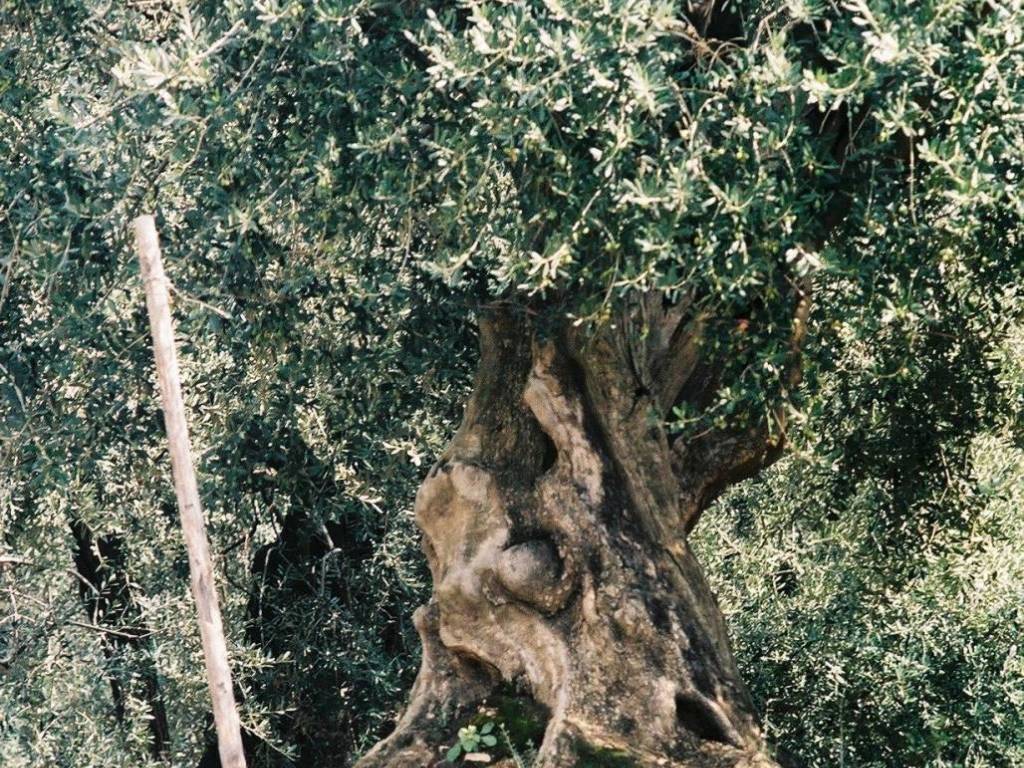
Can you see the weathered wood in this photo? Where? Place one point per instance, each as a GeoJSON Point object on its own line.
{"type": "Point", "coordinates": [211, 630]}
{"type": "Point", "coordinates": [552, 530]}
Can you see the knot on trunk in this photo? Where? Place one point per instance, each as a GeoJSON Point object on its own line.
{"type": "Point", "coordinates": [534, 573]}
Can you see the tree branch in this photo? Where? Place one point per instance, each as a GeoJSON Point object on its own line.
{"type": "Point", "coordinates": [677, 365]}
{"type": "Point", "coordinates": [707, 465]}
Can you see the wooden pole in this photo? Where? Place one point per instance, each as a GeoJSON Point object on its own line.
{"type": "Point", "coordinates": [204, 590]}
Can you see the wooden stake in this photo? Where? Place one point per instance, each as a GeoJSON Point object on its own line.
{"type": "Point", "coordinates": [204, 590]}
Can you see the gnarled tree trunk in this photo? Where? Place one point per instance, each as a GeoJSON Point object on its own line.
{"type": "Point", "coordinates": [554, 526]}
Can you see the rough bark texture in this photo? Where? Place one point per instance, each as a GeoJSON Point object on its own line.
{"type": "Point", "coordinates": [554, 526]}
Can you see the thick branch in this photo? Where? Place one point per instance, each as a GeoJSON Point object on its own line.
{"type": "Point", "coordinates": [622, 410]}
{"type": "Point", "coordinates": [679, 362]}
{"type": "Point", "coordinates": [707, 465]}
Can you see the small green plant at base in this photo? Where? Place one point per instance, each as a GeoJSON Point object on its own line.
{"type": "Point", "coordinates": [470, 740]}
{"type": "Point", "coordinates": [521, 760]}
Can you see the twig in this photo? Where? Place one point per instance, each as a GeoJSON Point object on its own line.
{"type": "Point", "coordinates": [110, 631]}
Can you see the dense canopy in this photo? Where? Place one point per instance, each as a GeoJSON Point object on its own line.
{"type": "Point", "coordinates": [344, 186]}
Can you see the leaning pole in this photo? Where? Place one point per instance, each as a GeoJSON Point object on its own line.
{"type": "Point", "coordinates": [204, 590]}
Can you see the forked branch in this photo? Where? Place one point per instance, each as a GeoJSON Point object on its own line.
{"type": "Point", "coordinates": [707, 465]}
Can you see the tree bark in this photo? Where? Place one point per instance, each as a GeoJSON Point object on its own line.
{"type": "Point", "coordinates": [554, 526]}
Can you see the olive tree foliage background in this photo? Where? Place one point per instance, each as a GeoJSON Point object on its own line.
{"type": "Point", "coordinates": [339, 185]}
{"type": "Point", "coordinates": [318, 384]}
{"type": "Point", "coordinates": [874, 580]}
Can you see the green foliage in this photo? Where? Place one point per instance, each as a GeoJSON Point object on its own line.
{"type": "Point", "coordinates": [471, 740]}
{"type": "Point", "coordinates": [520, 723]}
{"type": "Point", "coordinates": [317, 386]}
{"type": "Point", "coordinates": [521, 719]}
{"type": "Point", "coordinates": [340, 183]}
{"type": "Point", "coordinates": [877, 622]}
{"type": "Point", "coordinates": [522, 756]}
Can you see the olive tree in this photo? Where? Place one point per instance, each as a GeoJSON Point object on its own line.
{"type": "Point", "coordinates": [668, 221]}
{"type": "Point", "coordinates": [660, 208]}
